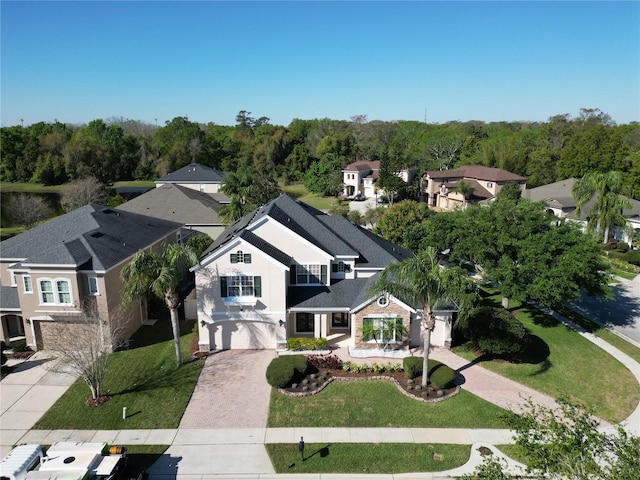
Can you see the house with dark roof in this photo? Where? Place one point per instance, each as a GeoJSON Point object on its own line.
{"type": "Point", "coordinates": [442, 188]}
{"type": "Point", "coordinates": [196, 177]}
{"type": "Point", "coordinates": [289, 270]}
{"type": "Point", "coordinates": [558, 197]}
{"type": "Point", "coordinates": [359, 178]}
{"type": "Point", "coordinates": [198, 211]}
{"type": "Point", "coordinates": [52, 272]}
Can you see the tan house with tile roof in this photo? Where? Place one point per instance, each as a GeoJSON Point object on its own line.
{"type": "Point", "coordinates": [440, 187]}
{"type": "Point", "coordinates": [359, 178]}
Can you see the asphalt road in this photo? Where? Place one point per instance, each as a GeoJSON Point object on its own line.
{"type": "Point", "coordinates": [621, 314]}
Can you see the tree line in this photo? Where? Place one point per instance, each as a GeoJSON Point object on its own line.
{"type": "Point", "coordinates": [316, 150]}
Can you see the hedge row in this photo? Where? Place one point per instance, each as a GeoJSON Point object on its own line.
{"type": "Point", "coordinates": [305, 343]}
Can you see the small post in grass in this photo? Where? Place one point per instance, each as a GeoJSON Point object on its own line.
{"type": "Point", "coordinates": [301, 448]}
{"type": "Point", "coordinates": [124, 413]}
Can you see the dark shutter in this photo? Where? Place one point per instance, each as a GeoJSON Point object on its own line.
{"type": "Point", "coordinates": [292, 275]}
{"type": "Point", "coordinates": [257, 286]}
{"type": "Point", "coordinates": [247, 258]}
{"type": "Point", "coordinates": [323, 274]}
{"type": "Point", "coordinates": [223, 287]}
{"type": "Point", "coordinates": [234, 258]}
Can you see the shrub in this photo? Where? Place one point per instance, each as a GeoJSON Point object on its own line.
{"type": "Point", "coordinates": [441, 375]}
{"type": "Point", "coordinates": [412, 366]}
{"type": "Point", "coordinates": [304, 343]}
{"type": "Point", "coordinates": [325, 361]}
{"type": "Point", "coordinates": [282, 370]}
{"type": "Point", "coordinates": [633, 257]}
{"type": "Point", "coordinates": [495, 331]}
{"type": "Point", "coordinates": [19, 346]}
{"type": "Point", "coordinates": [622, 247]}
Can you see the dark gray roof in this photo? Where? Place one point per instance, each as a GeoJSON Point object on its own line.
{"type": "Point", "coordinates": [333, 234]}
{"type": "Point", "coordinates": [93, 236]}
{"type": "Point", "coordinates": [9, 298]}
{"type": "Point", "coordinates": [176, 203]}
{"type": "Point", "coordinates": [340, 295]}
{"type": "Point", "coordinates": [193, 173]}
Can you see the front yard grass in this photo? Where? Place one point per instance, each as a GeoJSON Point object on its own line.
{"type": "Point", "coordinates": [366, 458]}
{"type": "Point", "coordinates": [378, 403]}
{"type": "Point", "coordinates": [564, 364]}
{"type": "Point", "coordinates": [144, 379]}
{"type": "Point", "coordinates": [299, 191]}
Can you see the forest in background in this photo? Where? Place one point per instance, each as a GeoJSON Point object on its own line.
{"type": "Point", "coordinates": [118, 149]}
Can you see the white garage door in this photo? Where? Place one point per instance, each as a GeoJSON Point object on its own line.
{"type": "Point", "coordinates": [242, 335]}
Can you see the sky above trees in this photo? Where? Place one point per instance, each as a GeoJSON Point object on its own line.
{"type": "Point", "coordinates": [153, 61]}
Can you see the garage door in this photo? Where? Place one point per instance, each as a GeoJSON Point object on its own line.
{"type": "Point", "coordinates": [242, 335]}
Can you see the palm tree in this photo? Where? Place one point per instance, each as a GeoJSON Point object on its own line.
{"type": "Point", "coordinates": [466, 190]}
{"type": "Point", "coordinates": [609, 204]}
{"type": "Point", "coordinates": [419, 280]}
{"type": "Point", "coordinates": [159, 275]}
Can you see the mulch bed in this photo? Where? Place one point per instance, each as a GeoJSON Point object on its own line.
{"type": "Point", "coordinates": [315, 380]}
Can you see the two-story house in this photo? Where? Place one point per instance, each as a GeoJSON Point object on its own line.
{"type": "Point", "coordinates": [442, 188]}
{"type": "Point", "coordinates": [52, 272]}
{"type": "Point", "coordinates": [289, 270]}
{"type": "Point", "coordinates": [359, 178]}
{"type": "Point", "coordinates": [196, 177]}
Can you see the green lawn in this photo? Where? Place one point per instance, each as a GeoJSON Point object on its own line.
{"type": "Point", "coordinates": [564, 364]}
{"type": "Point", "coordinates": [366, 458]}
{"type": "Point", "coordinates": [30, 187]}
{"type": "Point", "coordinates": [135, 183]}
{"type": "Point", "coordinates": [144, 379]}
{"type": "Point", "coordinates": [379, 403]}
{"type": "Point", "coordinates": [298, 190]}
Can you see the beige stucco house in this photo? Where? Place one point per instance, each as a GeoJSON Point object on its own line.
{"type": "Point", "coordinates": [52, 272]}
{"type": "Point", "coordinates": [359, 178]}
{"type": "Point", "coordinates": [289, 270]}
{"type": "Point", "coordinates": [440, 188]}
{"type": "Point", "coordinates": [196, 177]}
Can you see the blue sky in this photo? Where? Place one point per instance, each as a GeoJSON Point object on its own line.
{"type": "Point", "coordinates": [490, 61]}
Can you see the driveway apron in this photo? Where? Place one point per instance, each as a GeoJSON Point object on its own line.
{"type": "Point", "coordinates": [232, 391]}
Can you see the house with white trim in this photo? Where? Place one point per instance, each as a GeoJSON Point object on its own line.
{"type": "Point", "coordinates": [51, 272]}
{"type": "Point", "coordinates": [359, 178]}
{"type": "Point", "coordinates": [289, 270]}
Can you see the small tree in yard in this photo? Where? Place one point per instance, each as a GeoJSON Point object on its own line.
{"type": "Point", "coordinates": [83, 191]}
{"type": "Point", "coordinates": [161, 275]}
{"type": "Point", "coordinates": [28, 210]}
{"type": "Point", "coordinates": [82, 346]}
{"type": "Point", "coordinates": [568, 445]}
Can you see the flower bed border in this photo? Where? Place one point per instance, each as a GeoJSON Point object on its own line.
{"type": "Point", "coordinates": [371, 377]}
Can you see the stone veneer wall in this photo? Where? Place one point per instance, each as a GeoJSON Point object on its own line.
{"type": "Point", "coordinates": [392, 309]}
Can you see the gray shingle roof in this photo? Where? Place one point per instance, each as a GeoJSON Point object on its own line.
{"type": "Point", "coordinates": [92, 236]}
{"type": "Point", "coordinates": [344, 293]}
{"type": "Point", "coordinates": [176, 203]}
{"type": "Point", "coordinates": [9, 298]}
{"type": "Point", "coordinates": [193, 173]}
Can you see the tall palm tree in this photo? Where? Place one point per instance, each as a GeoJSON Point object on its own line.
{"type": "Point", "coordinates": [420, 280]}
{"type": "Point", "coordinates": [609, 204]}
{"type": "Point", "coordinates": [159, 275]}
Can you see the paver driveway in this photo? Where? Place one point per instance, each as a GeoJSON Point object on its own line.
{"type": "Point", "coordinates": [232, 391]}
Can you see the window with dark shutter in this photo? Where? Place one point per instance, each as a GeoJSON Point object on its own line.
{"type": "Point", "coordinates": [247, 258]}
{"type": "Point", "coordinates": [234, 258]}
{"type": "Point", "coordinates": [323, 274]}
{"type": "Point", "coordinates": [223, 287]}
{"type": "Point", "coordinates": [257, 286]}
{"type": "Point", "coordinates": [292, 275]}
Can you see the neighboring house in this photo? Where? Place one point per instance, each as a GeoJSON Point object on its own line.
{"type": "Point", "coordinates": [196, 210]}
{"type": "Point", "coordinates": [360, 177]}
{"type": "Point", "coordinates": [440, 187]}
{"type": "Point", "coordinates": [289, 270]}
{"type": "Point", "coordinates": [49, 273]}
{"type": "Point", "coordinates": [559, 199]}
{"type": "Point", "coordinates": [196, 177]}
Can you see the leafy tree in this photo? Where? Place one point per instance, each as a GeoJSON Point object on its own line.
{"type": "Point", "coordinates": [324, 177]}
{"type": "Point", "coordinates": [199, 243]}
{"type": "Point", "coordinates": [28, 210]}
{"type": "Point", "coordinates": [494, 331]}
{"type": "Point", "coordinates": [609, 204]}
{"type": "Point", "coordinates": [161, 275]}
{"type": "Point", "coordinates": [420, 280]}
{"type": "Point", "coordinates": [567, 445]}
{"type": "Point", "coordinates": [371, 215]}
{"type": "Point", "coordinates": [396, 221]}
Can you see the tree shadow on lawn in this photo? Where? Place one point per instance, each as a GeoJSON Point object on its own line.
{"type": "Point", "coordinates": [175, 379]}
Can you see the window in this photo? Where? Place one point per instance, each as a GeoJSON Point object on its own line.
{"type": "Point", "coordinates": [308, 274]}
{"type": "Point", "coordinates": [383, 300]}
{"type": "Point", "coordinates": [384, 330]}
{"type": "Point", "coordinates": [240, 286]}
{"type": "Point", "coordinates": [341, 267]}
{"type": "Point", "coordinates": [55, 292]}
{"type": "Point", "coordinates": [240, 257]}
{"type": "Point", "coordinates": [26, 282]}
{"type": "Point", "coordinates": [340, 320]}
{"type": "Point", "coordinates": [93, 285]}
{"type": "Point", "coordinates": [202, 187]}
{"type": "Point", "coordinates": [304, 323]}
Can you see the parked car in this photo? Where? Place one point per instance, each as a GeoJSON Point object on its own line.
{"type": "Point", "coordinates": [358, 197]}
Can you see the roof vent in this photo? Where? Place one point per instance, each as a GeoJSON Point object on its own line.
{"type": "Point", "coordinates": [107, 211]}
{"type": "Point", "coordinates": [97, 234]}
